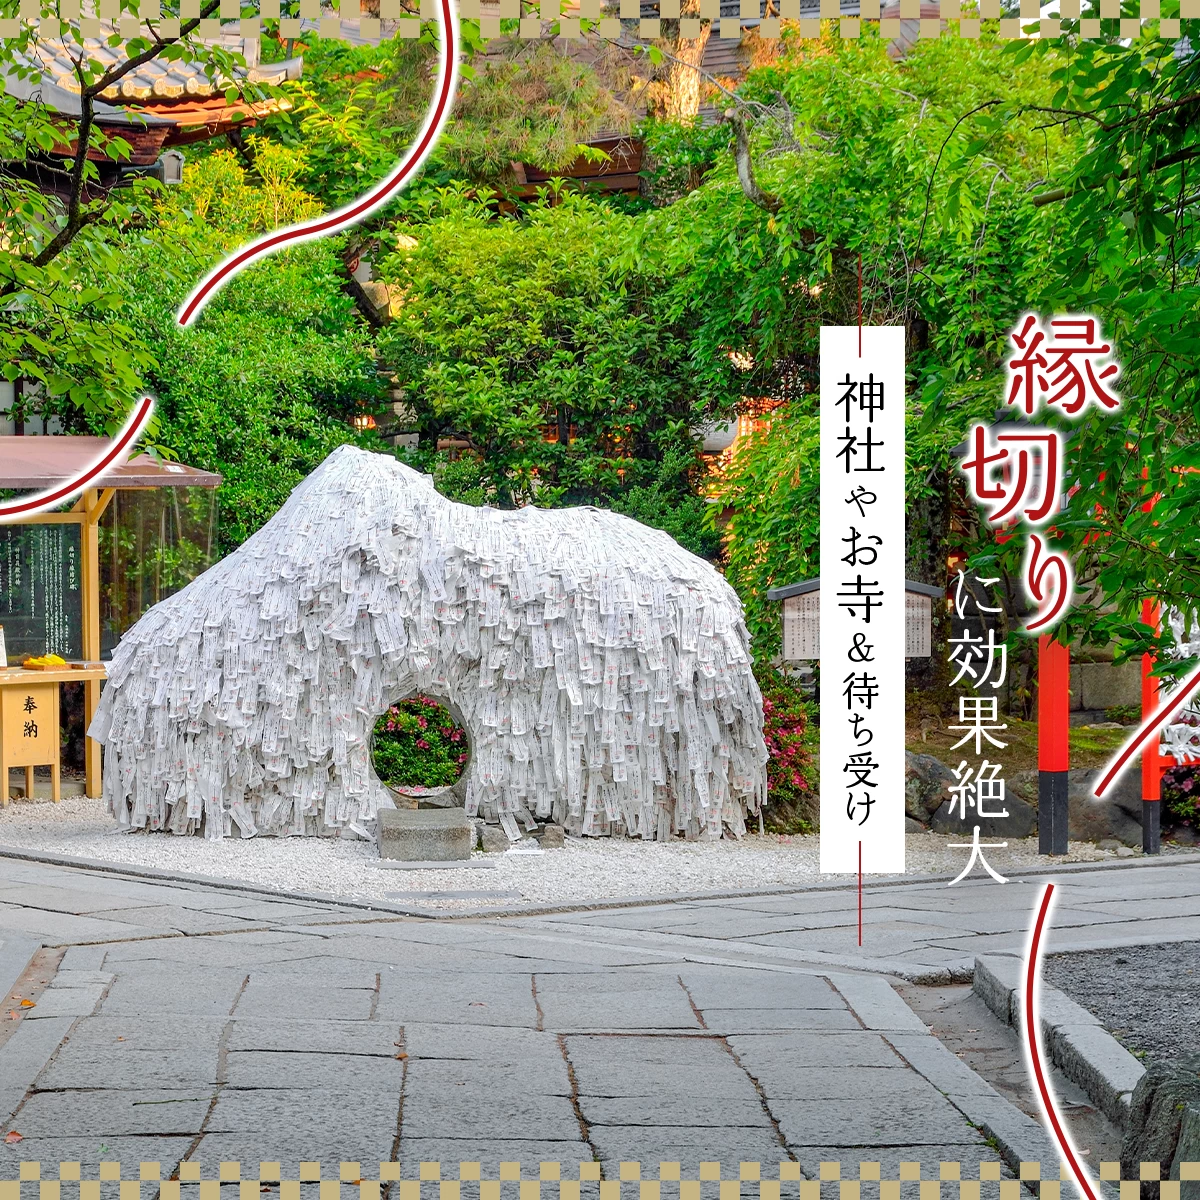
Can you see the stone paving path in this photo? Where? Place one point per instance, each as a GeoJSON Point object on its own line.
{"type": "Point", "coordinates": [189, 1023]}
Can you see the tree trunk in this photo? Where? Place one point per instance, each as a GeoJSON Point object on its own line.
{"type": "Point", "coordinates": [675, 84]}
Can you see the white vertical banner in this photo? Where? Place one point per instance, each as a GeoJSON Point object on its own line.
{"type": "Point", "coordinates": [862, 599]}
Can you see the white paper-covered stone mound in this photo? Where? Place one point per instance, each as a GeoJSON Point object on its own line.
{"type": "Point", "coordinates": [602, 671]}
{"type": "Point", "coordinates": [1181, 736]}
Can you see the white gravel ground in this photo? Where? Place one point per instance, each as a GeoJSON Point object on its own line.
{"type": "Point", "coordinates": [582, 871]}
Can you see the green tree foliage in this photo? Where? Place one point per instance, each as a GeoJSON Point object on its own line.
{"type": "Point", "coordinates": [264, 386]}
{"type": "Point", "coordinates": [61, 226]}
{"type": "Point", "coordinates": [869, 156]}
{"type": "Point", "coordinates": [358, 107]}
{"type": "Point", "coordinates": [511, 332]}
{"type": "Point", "coordinates": [923, 167]}
{"type": "Point", "coordinates": [769, 497]}
{"type": "Point", "coordinates": [1122, 241]}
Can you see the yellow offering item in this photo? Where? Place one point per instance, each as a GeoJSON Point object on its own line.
{"type": "Point", "coordinates": [46, 660]}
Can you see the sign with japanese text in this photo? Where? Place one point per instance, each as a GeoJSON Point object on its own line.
{"type": "Point", "coordinates": [862, 606]}
{"type": "Point", "coordinates": [918, 625]}
{"type": "Point", "coordinates": [29, 723]}
{"type": "Point", "coordinates": [802, 624]}
{"type": "Point", "coordinates": [41, 594]}
{"type": "Point", "coordinates": [979, 791]}
{"type": "Point", "coordinates": [802, 627]}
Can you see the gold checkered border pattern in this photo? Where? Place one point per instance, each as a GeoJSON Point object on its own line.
{"type": "Point", "coordinates": [546, 1181]}
{"type": "Point", "coordinates": [1109, 24]}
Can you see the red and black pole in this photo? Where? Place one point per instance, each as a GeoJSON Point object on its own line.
{"type": "Point", "coordinates": [1151, 755]}
{"type": "Point", "coordinates": [1054, 744]}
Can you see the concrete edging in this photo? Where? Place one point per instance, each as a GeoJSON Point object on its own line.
{"type": "Point", "coordinates": [1077, 1043]}
{"type": "Point", "coordinates": [533, 909]}
{"type": "Point", "coordinates": [1018, 1138]}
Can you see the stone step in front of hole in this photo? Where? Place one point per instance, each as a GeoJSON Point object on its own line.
{"type": "Point", "coordinates": [425, 835]}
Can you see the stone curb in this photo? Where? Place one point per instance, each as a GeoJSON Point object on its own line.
{"type": "Point", "coordinates": [1019, 1138]}
{"type": "Point", "coordinates": [542, 909]}
{"type": "Point", "coordinates": [16, 953]}
{"type": "Point", "coordinates": [1085, 1052]}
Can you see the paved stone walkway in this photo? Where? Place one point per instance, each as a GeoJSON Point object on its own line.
{"type": "Point", "coordinates": [191, 1023]}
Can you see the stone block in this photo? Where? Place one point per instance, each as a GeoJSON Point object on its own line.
{"type": "Point", "coordinates": [493, 839]}
{"type": "Point", "coordinates": [401, 799]}
{"type": "Point", "coordinates": [440, 798]}
{"type": "Point", "coordinates": [1020, 822]}
{"type": "Point", "coordinates": [16, 953]}
{"type": "Point", "coordinates": [1105, 685]}
{"type": "Point", "coordinates": [66, 1002]}
{"type": "Point", "coordinates": [1187, 1150]}
{"type": "Point", "coordinates": [551, 837]}
{"type": "Point", "coordinates": [996, 981]}
{"type": "Point", "coordinates": [1091, 1057]}
{"type": "Point", "coordinates": [876, 1003]}
{"type": "Point", "coordinates": [1118, 815]}
{"type": "Point", "coordinates": [425, 835]}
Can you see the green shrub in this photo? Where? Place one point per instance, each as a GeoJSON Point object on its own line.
{"type": "Point", "coordinates": [418, 744]}
{"type": "Point", "coordinates": [1181, 795]}
{"type": "Point", "coordinates": [791, 738]}
{"type": "Point", "coordinates": [555, 359]}
{"type": "Point", "coordinates": [1124, 714]}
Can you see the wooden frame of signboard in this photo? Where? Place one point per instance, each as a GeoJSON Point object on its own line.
{"type": "Point", "coordinates": [86, 513]}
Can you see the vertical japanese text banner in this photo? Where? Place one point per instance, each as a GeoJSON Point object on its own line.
{"type": "Point", "coordinates": [862, 599]}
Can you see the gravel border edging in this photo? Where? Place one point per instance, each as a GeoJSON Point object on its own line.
{"type": "Point", "coordinates": [159, 875]}
{"type": "Point", "coordinates": [1074, 1039]}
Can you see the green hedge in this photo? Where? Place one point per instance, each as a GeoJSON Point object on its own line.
{"type": "Point", "coordinates": [418, 744]}
{"type": "Point", "coordinates": [792, 738]}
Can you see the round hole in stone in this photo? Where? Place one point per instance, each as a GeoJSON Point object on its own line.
{"type": "Point", "coordinates": [418, 742]}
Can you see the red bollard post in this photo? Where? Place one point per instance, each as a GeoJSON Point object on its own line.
{"type": "Point", "coordinates": [1054, 744]}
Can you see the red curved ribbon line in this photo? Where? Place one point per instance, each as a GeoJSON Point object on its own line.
{"type": "Point", "coordinates": [1031, 1018]}
{"type": "Point", "coordinates": [1148, 727]}
{"type": "Point", "coordinates": [335, 222]}
{"type": "Point", "coordinates": [76, 484]}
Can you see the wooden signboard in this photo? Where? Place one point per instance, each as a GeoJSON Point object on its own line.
{"type": "Point", "coordinates": [802, 627]}
{"type": "Point", "coordinates": [41, 589]}
{"type": "Point", "coordinates": [29, 731]}
{"type": "Point", "coordinates": [918, 625]}
{"type": "Point", "coordinates": [802, 624]}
